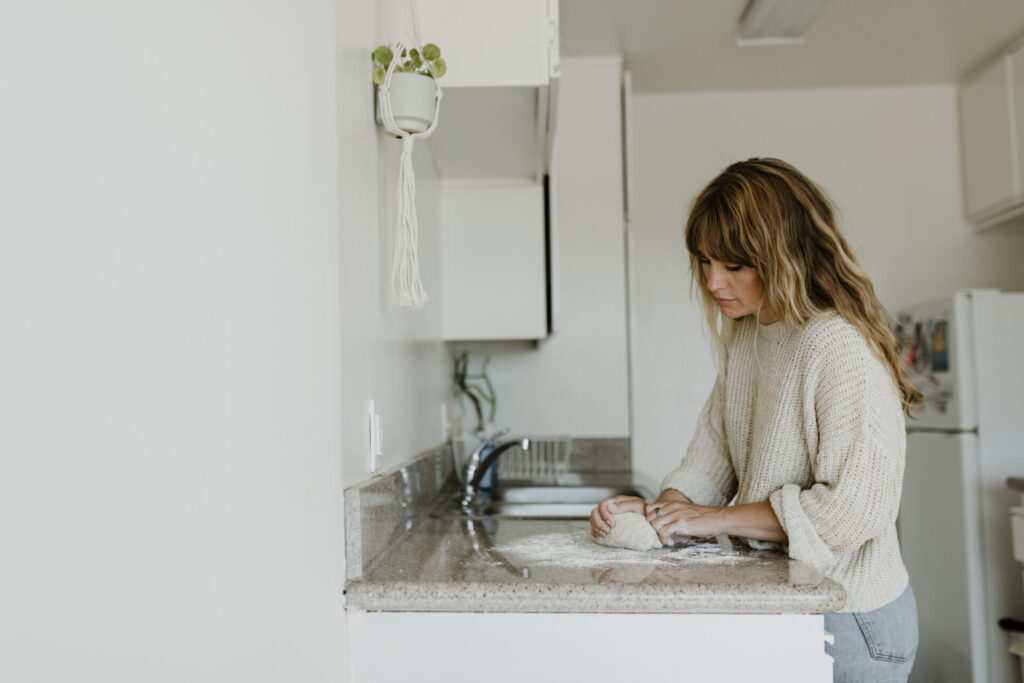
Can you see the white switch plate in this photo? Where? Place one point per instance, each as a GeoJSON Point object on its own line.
{"type": "Point", "coordinates": [376, 437]}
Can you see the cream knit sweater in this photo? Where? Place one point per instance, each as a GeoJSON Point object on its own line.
{"type": "Point", "coordinates": [809, 420]}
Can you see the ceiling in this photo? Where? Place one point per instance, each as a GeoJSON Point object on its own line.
{"type": "Point", "coordinates": [689, 45]}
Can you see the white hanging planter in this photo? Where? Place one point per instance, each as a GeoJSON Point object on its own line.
{"type": "Point", "coordinates": [407, 106]}
{"type": "Point", "coordinates": [413, 101]}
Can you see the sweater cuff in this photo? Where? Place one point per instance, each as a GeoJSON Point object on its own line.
{"type": "Point", "coordinates": [804, 543]}
{"type": "Point", "coordinates": [697, 486]}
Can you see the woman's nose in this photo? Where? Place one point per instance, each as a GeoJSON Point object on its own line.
{"type": "Point", "coordinates": [714, 278]}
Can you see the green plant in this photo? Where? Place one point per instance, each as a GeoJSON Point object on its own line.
{"type": "Point", "coordinates": [428, 64]}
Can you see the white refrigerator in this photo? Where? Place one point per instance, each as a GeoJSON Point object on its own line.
{"type": "Point", "coordinates": [954, 521]}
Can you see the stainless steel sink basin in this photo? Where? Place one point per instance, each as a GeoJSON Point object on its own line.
{"type": "Point", "coordinates": [561, 494]}
{"type": "Point", "coordinates": [538, 510]}
{"type": "Point", "coordinates": [538, 502]}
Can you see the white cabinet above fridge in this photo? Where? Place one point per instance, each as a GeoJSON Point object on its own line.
{"type": "Point", "coordinates": [992, 137]}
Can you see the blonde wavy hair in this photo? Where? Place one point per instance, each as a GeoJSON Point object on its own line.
{"type": "Point", "coordinates": [765, 214]}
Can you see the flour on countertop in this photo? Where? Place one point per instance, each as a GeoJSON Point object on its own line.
{"type": "Point", "coordinates": [578, 549]}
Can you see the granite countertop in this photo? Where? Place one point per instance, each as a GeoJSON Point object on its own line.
{"type": "Point", "coordinates": [463, 565]}
{"type": "Point", "coordinates": [1016, 483]}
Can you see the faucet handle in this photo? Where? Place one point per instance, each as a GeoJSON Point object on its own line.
{"type": "Point", "coordinates": [500, 433]}
{"type": "Point", "coordinates": [490, 441]}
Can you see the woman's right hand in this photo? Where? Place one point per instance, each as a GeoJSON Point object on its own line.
{"type": "Point", "coordinates": [601, 517]}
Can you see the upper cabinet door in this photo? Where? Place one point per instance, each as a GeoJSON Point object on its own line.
{"type": "Point", "coordinates": [494, 261]}
{"type": "Point", "coordinates": [990, 176]}
{"type": "Point", "coordinates": [492, 42]}
{"type": "Point", "coordinates": [1016, 67]}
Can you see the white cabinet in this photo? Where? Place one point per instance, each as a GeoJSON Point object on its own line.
{"type": "Point", "coordinates": [435, 647]}
{"type": "Point", "coordinates": [500, 89]}
{"type": "Point", "coordinates": [1016, 68]}
{"type": "Point", "coordinates": [492, 147]}
{"type": "Point", "coordinates": [493, 43]}
{"type": "Point", "coordinates": [494, 260]}
{"type": "Point", "coordinates": [992, 135]}
{"type": "Point", "coordinates": [985, 127]}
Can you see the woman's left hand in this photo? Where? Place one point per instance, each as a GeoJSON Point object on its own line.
{"type": "Point", "coordinates": [684, 518]}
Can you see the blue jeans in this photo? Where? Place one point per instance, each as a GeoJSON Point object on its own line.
{"type": "Point", "coordinates": [877, 646]}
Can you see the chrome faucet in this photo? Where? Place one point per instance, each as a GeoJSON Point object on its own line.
{"type": "Point", "coordinates": [482, 459]}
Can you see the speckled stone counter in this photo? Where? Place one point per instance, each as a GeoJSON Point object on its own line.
{"type": "Point", "coordinates": [462, 565]}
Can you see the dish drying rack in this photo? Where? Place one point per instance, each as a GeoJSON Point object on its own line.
{"type": "Point", "coordinates": [545, 461]}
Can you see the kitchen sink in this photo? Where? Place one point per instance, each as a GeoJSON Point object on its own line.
{"type": "Point", "coordinates": [537, 510]}
{"type": "Point", "coordinates": [560, 494]}
{"type": "Point", "coordinates": [537, 502]}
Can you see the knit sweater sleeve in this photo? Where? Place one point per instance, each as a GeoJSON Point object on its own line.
{"type": "Point", "coordinates": [706, 475]}
{"type": "Point", "coordinates": [858, 461]}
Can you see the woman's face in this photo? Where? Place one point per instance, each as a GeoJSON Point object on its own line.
{"type": "Point", "coordinates": [736, 288]}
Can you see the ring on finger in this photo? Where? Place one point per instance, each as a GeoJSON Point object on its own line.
{"type": "Point", "coordinates": [657, 512]}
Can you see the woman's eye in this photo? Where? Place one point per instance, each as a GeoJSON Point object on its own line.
{"type": "Point", "coordinates": [703, 261]}
{"type": "Point", "coordinates": [733, 268]}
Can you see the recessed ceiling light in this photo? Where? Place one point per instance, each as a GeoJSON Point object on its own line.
{"type": "Point", "coordinates": [777, 22]}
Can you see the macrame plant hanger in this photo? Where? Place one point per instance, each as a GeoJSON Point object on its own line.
{"type": "Point", "coordinates": [407, 290]}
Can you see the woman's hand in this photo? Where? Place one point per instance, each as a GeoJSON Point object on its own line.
{"type": "Point", "coordinates": [601, 517]}
{"type": "Point", "coordinates": [674, 514]}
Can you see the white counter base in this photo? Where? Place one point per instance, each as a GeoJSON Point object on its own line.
{"type": "Point", "coordinates": [398, 647]}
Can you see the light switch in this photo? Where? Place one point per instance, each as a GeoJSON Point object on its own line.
{"type": "Point", "coordinates": [376, 437]}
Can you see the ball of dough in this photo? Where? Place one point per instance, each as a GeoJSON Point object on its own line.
{"type": "Point", "coordinates": [632, 531]}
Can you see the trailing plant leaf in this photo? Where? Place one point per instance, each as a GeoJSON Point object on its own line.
{"type": "Point", "coordinates": [431, 52]}
{"type": "Point", "coordinates": [383, 55]}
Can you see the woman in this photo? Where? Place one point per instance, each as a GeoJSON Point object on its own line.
{"type": "Point", "coordinates": [804, 425]}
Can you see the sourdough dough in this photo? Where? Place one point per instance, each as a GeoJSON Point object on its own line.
{"type": "Point", "coordinates": [633, 531]}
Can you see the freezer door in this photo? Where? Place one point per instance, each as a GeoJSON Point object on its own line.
{"type": "Point", "coordinates": [937, 342]}
{"type": "Point", "coordinates": [940, 539]}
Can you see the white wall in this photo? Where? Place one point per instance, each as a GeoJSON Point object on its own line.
{"type": "Point", "coordinates": [185, 189]}
{"type": "Point", "coordinates": [391, 355]}
{"type": "Point", "coordinates": [889, 157]}
{"type": "Point", "coordinates": [576, 381]}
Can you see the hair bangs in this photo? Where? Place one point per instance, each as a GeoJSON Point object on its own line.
{"type": "Point", "coordinates": [716, 232]}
